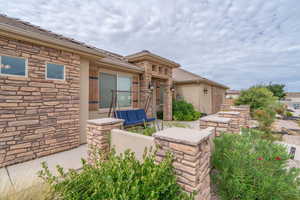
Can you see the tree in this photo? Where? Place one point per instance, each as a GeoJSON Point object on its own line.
{"type": "Point", "coordinates": [277, 90]}
{"type": "Point", "coordinates": [257, 97]}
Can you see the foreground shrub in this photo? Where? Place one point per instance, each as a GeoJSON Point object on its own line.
{"type": "Point", "coordinates": [118, 178]}
{"type": "Point", "coordinates": [184, 111]}
{"type": "Point", "coordinates": [249, 168]}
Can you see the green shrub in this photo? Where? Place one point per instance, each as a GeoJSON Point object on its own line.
{"type": "Point", "coordinates": [118, 177]}
{"type": "Point", "coordinates": [142, 130]}
{"type": "Point", "coordinates": [160, 114]}
{"type": "Point", "coordinates": [265, 118]}
{"type": "Point", "coordinates": [289, 114]}
{"type": "Point", "coordinates": [184, 111]}
{"type": "Point", "coordinates": [256, 97]}
{"type": "Point", "coordinates": [250, 168]}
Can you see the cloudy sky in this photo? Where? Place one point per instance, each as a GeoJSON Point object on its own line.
{"type": "Point", "coordinates": [235, 42]}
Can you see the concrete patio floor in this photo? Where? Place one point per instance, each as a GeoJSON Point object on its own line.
{"type": "Point", "coordinates": [23, 175]}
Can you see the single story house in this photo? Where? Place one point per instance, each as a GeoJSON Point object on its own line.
{"type": "Point", "coordinates": [206, 95]}
{"type": "Point", "coordinates": [50, 85]}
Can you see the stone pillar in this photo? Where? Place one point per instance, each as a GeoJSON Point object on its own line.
{"type": "Point", "coordinates": [168, 100]}
{"type": "Point", "coordinates": [221, 124]}
{"type": "Point", "coordinates": [236, 120]}
{"type": "Point", "coordinates": [243, 109]}
{"type": "Point", "coordinates": [192, 151]}
{"type": "Point", "coordinates": [145, 81]}
{"type": "Point", "coordinates": [98, 134]}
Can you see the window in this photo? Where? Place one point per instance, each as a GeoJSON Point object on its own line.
{"type": "Point", "coordinates": [13, 66]}
{"type": "Point", "coordinates": [109, 82]}
{"type": "Point", "coordinates": [55, 72]}
{"type": "Point", "coordinates": [124, 88]}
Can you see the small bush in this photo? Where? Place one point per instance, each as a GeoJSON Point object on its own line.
{"type": "Point", "coordinates": [249, 168]}
{"type": "Point", "coordinates": [118, 177]}
{"type": "Point", "coordinates": [142, 130]}
{"type": "Point", "coordinates": [160, 114]}
{"type": "Point", "coordinates": [289, 114]}
{"type": "Point", "coordinates": [184, 111]}
{"type": "Point", "coordinates": [265, 118]}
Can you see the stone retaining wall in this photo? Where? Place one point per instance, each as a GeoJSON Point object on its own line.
{"type": "Point", "coordinates": [231, 119]}
{"type": "Point", "coordinates": [191, 149]}
{"type": "Point", "coordinates": [38, 117]}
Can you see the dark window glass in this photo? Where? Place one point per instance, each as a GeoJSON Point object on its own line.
{"type": "Point", "coordinates": [55, 71]}
{"type": "Point", "coordinates": [108, 82]}
{"type": "Point", "coordinates": [13, 66]}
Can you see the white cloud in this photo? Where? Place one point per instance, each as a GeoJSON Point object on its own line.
{"type": "Point", "coordinates": [235, 42]}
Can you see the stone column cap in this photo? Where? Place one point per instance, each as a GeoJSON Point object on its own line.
{"type": "Point", "coordinates": [105, 121]}
{"type": "Point", "coordinates": [214, 118]}
{"type": "Point", "coordinates": [184, 135]}
{"type": "Point", "coordinates": [229, 112]}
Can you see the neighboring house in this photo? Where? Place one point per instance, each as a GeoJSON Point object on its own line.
{"type": "Point", "coordinates": [292, 100]}
{"type": "Point", "coordinates": [206, 95]}
{"type": "Point", "coordinates": [51, 85]}
{"type": "Point", "coordinates": [231, 96]}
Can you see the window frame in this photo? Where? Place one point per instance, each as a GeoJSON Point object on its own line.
{"type": "Point", "coordinates": [14, 75]}
{"type": "Point", "coordinates": [54, 79]}
{"type": "Point", "coordinates": [117, 74]}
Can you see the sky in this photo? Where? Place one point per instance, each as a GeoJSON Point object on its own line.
{"type": "Point", "coordinates": [238, 43]}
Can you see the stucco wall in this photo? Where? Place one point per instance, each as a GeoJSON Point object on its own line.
{"type": "Point", "coordinates": [84, 98]}
{"type": "Point", "coordinates": [124, 140]}
{"type": "Point", "coordinates": [205, 98]}
{"type": "Point", "coordinates": [38, 117]}
{"type": "Point", "coordinates": [190, 93]}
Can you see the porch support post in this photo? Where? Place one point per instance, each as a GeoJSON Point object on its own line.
{"type": "Point", "coordinates": [168, 100]}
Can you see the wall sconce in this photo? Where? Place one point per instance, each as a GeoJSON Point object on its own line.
{"type": "Point", "coordinates": [172, 88]}
{"type": "Point", "coordinates": [205, 91]}
{"type": "Point", "coordinates": [151, 87]}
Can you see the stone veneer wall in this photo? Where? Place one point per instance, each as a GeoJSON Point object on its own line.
{"type": "Point", "coordinates": [191, 150]}
{"type": "Point", "coordinates": [231, 119]}
{"type": "Point", "coordinates": [221, 124]}
{"type": "Point", "coordinates": [192, 155]}
{"type": "Point", "coordinates": [38, 117]}
{"type": "Point", "coordinates": [243, 109]}
{"type": "Point", "coordinates": [98, 134]}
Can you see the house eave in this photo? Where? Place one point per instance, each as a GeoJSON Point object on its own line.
{"type": "Point", "coordinates": [37, 38]}
{"type": "Point", "coordinates": [151, 57]}
{"type": "Point", "coordinates": [199, 82]}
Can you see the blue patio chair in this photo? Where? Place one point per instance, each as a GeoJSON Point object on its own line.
{"type": "Point", "coordinates": [141, 114]}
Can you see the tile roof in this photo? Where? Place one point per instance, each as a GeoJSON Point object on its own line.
{"type": "Point", "coordinates": [111, 57]}
{"type": "Point", "coordinates": [144, 53]}
{"type": "Point", "coordinates": [183, 76]}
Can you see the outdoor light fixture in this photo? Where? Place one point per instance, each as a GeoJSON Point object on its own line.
{"type": "Point", "coordinates": [172, 88]}
{"type": "Point", "coordinates": [205, 90]}
{"type": "Point", "coordinates": [151, 87]}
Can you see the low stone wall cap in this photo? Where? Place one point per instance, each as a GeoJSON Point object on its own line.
{"type": "Point", "coordinates": [214, 118]}
{"type": "Point", "coordinates": [184, 135]}
{"type": "Point", "coordinates": [105, 121]}
{"type": "Point", "coordinates": [229, 112]}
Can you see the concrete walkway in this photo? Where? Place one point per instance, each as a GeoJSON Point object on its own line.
{"type": "Point", "coordinates": [23, 175]}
